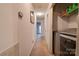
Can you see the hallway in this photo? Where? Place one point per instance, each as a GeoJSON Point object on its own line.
{"type": "Point", "coordinates": [18, 29]}
{"type": "Point", "coordinates": [56, 33]}
{"type": "Point", "coordinates": [40, 48]}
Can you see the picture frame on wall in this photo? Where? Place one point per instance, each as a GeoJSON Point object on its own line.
{"type": "Point", "coordinates": [32, 17]}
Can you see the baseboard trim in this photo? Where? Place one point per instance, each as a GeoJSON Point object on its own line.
{"type": "Point", "coordinates": [10, 49]}
{"type": "Point", "coordinates": [32, 48]}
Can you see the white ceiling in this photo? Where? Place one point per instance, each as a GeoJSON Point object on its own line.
{"type": "Point", "coordinates": [40, 6]}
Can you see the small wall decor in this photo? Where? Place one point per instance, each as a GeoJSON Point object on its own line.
{"type": "Point", "coordinates": [20, 14]}
{"type": "Point", "coordinates": [32, 17]}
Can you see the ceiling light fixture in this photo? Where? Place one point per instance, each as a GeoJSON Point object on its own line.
{"type": "Point", "coordinates": [39, 14]}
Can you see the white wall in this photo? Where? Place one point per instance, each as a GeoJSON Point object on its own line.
{"type": "Point", "coordinates": [48, 27]}
{"type": "Point", "coordinates": [14, 30]}
{"type": "Point", "coordinates": [67, 22]}
{"type": "Point", "coordinates": [62, 23]}
{"type": "Point", "coordinates": [26, 30]}
{"type": "Point", "coordinates": [8, 26]}
{"type": "Point", "coordinates": [73, 21]}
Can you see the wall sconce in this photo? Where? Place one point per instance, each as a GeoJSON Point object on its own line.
{"type": "Point", "coordinates": [20, 14]}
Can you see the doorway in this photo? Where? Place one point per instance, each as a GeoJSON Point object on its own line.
{"type": "Point", "coordinates": [39, 29]}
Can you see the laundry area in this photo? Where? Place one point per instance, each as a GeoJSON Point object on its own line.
{"type": "Point", "coordinates": [65, 29]}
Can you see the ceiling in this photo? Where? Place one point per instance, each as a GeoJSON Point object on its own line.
{"type": "Point", "coordinates": [40, 6]}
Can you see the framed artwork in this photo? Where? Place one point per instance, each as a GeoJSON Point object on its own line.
{"type": "Point", "coordinates": [32, 19]}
